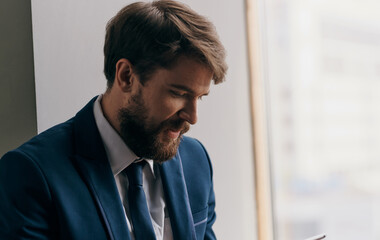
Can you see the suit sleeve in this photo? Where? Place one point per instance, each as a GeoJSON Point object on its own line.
{"type": "Point", "coordinates": [25, 201]}
{"type": "Point", "coordinates": [211, 216]}
{"type": "Point", "coordinates": [209, 234]}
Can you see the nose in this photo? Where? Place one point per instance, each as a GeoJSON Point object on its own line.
{"type": "Point", "coordinates": [189, 112]}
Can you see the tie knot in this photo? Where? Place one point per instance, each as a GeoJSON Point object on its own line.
{"type": "Point", "coordinates": [134, 173]}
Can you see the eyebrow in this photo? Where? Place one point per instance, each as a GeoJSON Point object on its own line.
{"type": "Point", "coordinates": [184, 88]}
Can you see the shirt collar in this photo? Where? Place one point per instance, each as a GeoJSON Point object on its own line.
{"type": "Point", "coordinates": [119, 154]}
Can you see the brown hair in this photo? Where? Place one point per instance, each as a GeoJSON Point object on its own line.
{"type": "Point", "coordinates": [155, 34]}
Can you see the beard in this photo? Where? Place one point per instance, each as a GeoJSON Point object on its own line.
{"type": "Point", "coordinates": [144, 139]}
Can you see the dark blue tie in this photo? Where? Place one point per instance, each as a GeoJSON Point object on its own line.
{"type": "Point", "coordinates": [138, 208]}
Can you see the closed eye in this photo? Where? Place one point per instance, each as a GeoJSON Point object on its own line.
{"type": "Point", "coordinates": [185, 94]}
{"type": "Point", "coordinates": [178, 93]}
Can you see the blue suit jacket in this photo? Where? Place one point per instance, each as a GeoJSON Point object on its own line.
{"type": "Point", "coordinates": [59, 185]}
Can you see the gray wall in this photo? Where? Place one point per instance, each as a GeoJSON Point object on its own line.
{"type": "Point", "coordinates": [17, 92]}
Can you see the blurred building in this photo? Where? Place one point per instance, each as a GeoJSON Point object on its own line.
{"type": "Point", "coordinates": [323, 88]}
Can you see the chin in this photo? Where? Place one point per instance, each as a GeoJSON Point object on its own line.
{"type": "Point", "coordinates": [166, 149]}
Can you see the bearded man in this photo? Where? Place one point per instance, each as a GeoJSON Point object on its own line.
{"type": "Point", "coordinates": [121, 168]}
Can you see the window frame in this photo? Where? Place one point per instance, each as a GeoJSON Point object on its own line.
{"type": "Point", "coordinates": [257, 75]}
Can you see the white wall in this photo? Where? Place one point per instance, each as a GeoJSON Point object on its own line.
{"type": "Point", "coordinates": [68, 43]}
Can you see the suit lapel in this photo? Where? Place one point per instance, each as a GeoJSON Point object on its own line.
{"type": "Point", "coordinates": [177, 199]}
{"type": "Point", "coordinates": [92, 164]}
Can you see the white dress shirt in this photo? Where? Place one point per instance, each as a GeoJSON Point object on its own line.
{"type": "Point", "coordinates": [120, 157]}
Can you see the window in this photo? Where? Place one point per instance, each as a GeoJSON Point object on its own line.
{"type": "Point", "coordinates": [321, 80]}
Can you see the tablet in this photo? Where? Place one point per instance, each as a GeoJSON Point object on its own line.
{"type": "Point", "coordinates": [317, 237]}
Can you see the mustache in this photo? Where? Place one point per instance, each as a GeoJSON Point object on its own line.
{"type": "Point", "coordinates": [177, 125]}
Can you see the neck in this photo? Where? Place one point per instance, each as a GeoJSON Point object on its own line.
{"type": "Point", "coordinates": [110, 110]}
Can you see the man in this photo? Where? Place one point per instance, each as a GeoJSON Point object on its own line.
{"type": "Point", "coordinates": [121, 169]}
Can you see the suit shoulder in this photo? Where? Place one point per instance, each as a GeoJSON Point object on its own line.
{"type": "Point", "coordinates": [194, 155]}
{"type": "Point", "coordinates": [197, 171]}
{"type": "Point", "coordinates": [57, 132]}
{"type": "Point", "coordinates": [55, 140]}
{"type": "Point", "coordinates": [190, 143]}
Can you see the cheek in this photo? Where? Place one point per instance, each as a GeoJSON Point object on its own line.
{"type": "Point", "coordinates": [166, 109]}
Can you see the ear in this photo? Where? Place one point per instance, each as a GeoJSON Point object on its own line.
{"type": "Point", "coordinates": [124, 75]}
